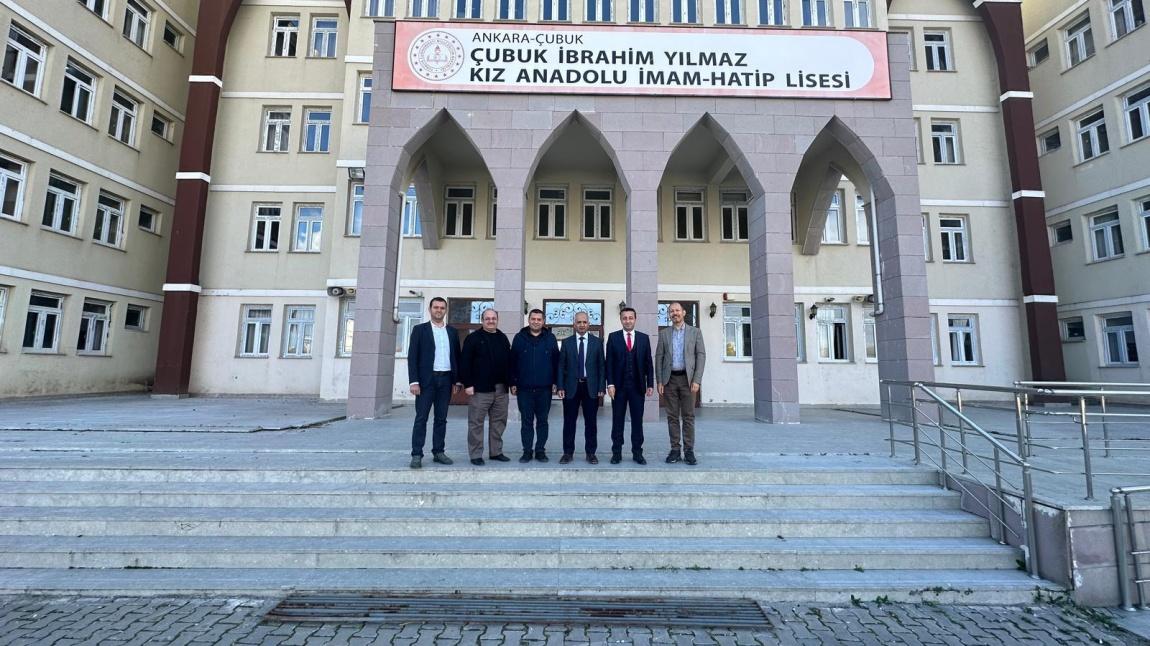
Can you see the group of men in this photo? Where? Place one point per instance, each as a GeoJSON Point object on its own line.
{"type": "Point", "coordinates": [534, 366]}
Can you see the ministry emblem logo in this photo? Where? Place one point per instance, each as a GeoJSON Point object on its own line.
{"type": "Point", "coordinates": [436, 55]}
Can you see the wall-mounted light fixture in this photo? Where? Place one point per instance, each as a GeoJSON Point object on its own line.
{"type": "Point", "coordinates": [814, 311]}
{"type": "Point", "coordinates": [712, 309]}
{"type": "Point", "coordinates": [622, 304]}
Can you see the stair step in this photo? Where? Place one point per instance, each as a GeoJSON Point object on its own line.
{"type": "Point", "coordinates": [983, 587]}
{"type": "Point", "coordinates": [503, 552]}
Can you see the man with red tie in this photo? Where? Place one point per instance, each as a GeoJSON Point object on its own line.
{"type": "Point", "coordinates": [630, 379]}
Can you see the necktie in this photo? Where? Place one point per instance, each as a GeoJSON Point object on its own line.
{"type": "Point", "coordinates": [628, 342]}
{"type": "Point", "coordinates": [582, 360]}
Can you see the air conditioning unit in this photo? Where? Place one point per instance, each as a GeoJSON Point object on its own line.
{"type": "Point", "coordinates": [335, 291]}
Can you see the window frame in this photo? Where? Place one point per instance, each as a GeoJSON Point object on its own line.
{"type": "Point", "coordinates": [554, 10]}
{"type": "Point", "coordinates": [732, 12]}
{"type": "Point", "coordinates": [356, 194]}
{"type": "Point", "coordinates": [365, 89]}
{"type": "Point", "coordinates": [643, 12]}
{"type": "Point", "coordinates": [826, 333]}
{"type": "Point", "coordinates": [858, 14]}
{"type": "Point", "coordinates": [155, 216]}
{"type": "Point", "coordinates": [262, 327]}
{"type": "Point", "coordinates": [493, 212]}
{"type": "Point", "coordinates": [1128, 338]}
{"type": "Point", "coordinates": [464, 208]}
{"type": "Point", "coordinates": [313, 222]}
{"type": "Point", "coordinates": [7, 179]}
{"type": "Point", "coordinates": [690, 234]}
{"type": "Point", "coordinates": [382, 8]}
{"type": "Point", "coordinates": [946, 147]}
{"type": "Point", "coordinates": [4, 289]}
{"type": "Point", "coordinates": [423, 9]}
{"type": "Point", "coordinates": [79, 88]}
{"type": "Point", "coordinates": [1142, 205]}
{"type": "Point", "coordinates": [168, 124]}
{"type": "Point", "coordinates": [1133, 15]}
{"type": "Point", "coordinates": [467, 9]}
{"type": "Point", "coordinates": [1078, 40]}
{"type": "Point", "coordinates": [271, 241]}
{"type": "Point", "coordinates": [1138, 112]}
{"type": "Point", "coordinates": [316, 133]}
{"type": "Point", "coordinates": [835, 210]}
{"type": "Point", "coordinates": [1111, 239]}
{"type": "Point", "coordinates": [106, 214]}
{"type": "Point", "coordinates": [298, 338]}
{"type": "Point", "coordinates": [91, 5]}
{"type": "Point", "coordinates": [407, 319]}
{"type": "Point", "coordinates": [734, 216]}
{"type": "Point", "coordinates": [87, 344]}
{"type": "Point", "coordinates": [962, 333]}
{"type": "Point", "coordinates": [1064, 325]}
{"type": "Point", "coordinates": [324, 41]}
{"type": "Point", "coordinates": [123, 120]}
{"type": "Point", "coordinates": [41, 312]}
{"type": "Point", "coordinates": [142, 324]}
{"type": "Point", "coordinates": [24, 55]}
{"type": "Point", "coordinates": [927, 240]}
{"type": "Point", "coordinates": [137, 23]}
{"type": "Point", "coordinates": [1044, 140]}
{"type": "Point", "coordinates": [288, 47]}
{"type": "Point", "coordinates": [800, 333]}
{"type": "Point", "coordinates": [410, 224]}
{"type": "Point", "coordinates": [597, 219]}
{"type": "Point", "coordinates": [279, 141]}
{"type": "Point", "coordinates": [1033, 59]}
{"type": "Point", "coordinates": [552, 216]}
{"type": "Point", "coordinates": [176, 43]}
{"type": "Point", "coordinates": [345, 339]}
{"type": "Point", "coordinates": [599, 11]}
{"type": "Point", "coordinates": [55, 197]}
{"type": "Point", "coordinates": [1055, 229]}
{"type": "Point", "coordinates": [870, 336]}
{"type": "Point", "coordinates": [1093, 136]}
{"type": "Point", "coordinates": [743, 344]}
{"type": "Point", "coordinates": [816, 13]}
{"type": "Point", "coordinates": [958, 238]}
{"type": "Point", "coordinates": [938, 52]}
{"type": "Point", "coordinates": [685, 12]}
{"type": "Point", "coordinates": [862, 222]}
{"type": "Point", "coordinates": [935, 341]}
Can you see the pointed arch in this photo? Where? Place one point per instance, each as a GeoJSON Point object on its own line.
{"type": "Point", "coordinates": [577, 119]}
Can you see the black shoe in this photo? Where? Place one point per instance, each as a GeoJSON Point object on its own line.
{"type": "Point", "coordinates": [441, 458]}
{"type": "Point", "coordinates": [639, 459]}
{"type": "Point", "coordinates": [416, 462]}
{"type": "Point", "coordinates": [566, 459]}
{"type": "Point", "coordinates": [673, 457]}
{"type": "Point", "coordinates": [477, 461]}
{"type": "Point", "coordinates": [525, 458]}
{"type": "Point", "coordinates": [500, 458]}
{"type": "Point", "coordinates": [541, 456]}
{"type": "Point", "coordinates": [689, 458]}
{"type": "Point", "coordinates": [616, 458]}
{"type": "Point", "coordinates": [592, 459]}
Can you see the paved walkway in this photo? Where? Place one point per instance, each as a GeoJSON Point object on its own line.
{"type": "Point", "coordinates": [64, 621]}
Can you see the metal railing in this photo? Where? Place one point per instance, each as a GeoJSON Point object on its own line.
{"type": "Point", "coordinates": [1126, 545]}
{"type": "Point", "coordinates": [971, 442]}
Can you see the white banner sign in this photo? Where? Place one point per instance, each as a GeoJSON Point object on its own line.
{"type": "Point", "coordinates": [602, 59]}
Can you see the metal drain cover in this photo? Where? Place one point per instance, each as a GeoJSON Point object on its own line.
{"type": "Point", "coordinates": [700, 612]}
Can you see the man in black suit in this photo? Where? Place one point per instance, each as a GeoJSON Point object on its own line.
{"type": "Point", "coordinates": [433, 371]}
{"type": "Point", "coordinates": [630, 378]}
{"type": "Point", "coordinates": [581, 382]}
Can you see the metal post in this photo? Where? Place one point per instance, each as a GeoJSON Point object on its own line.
{"type": "Point", "coordinates": [1121, 549]}
{"type": "Point", "coordinates": [890, 417]}
{"type": "Point", "coordinates": [914, 425]}
{"type": "Point", "coordinates": [942, 439]}
{"type": "Point", "coordinates": [1105, 428]}
{"type": "Point", "coordinates": [1021, 415]}
{"type": "Point", "coordinates": [998, 494]}
{"type": "Point", "coordinates": [961, 432]}
{"type": "Point", "coordinates": [1028, 520]}
{"type": "Point", "coordinates": [1134, 547]}
{"type": "Point", "coordinates": [1086, 448]}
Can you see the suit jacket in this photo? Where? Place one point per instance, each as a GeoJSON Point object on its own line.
{"type": "Point", "coordinates": [569, 366]}
{"type": "Point", "coordinates": [421, 354]}
{"type": "Point", "coordinates": [617, 356]}
{"type": "Point", "coordinates": [694, 354]}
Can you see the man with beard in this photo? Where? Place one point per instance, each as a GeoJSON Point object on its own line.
{"type": "Point", "coordinates": [534, 368]}
{"type": "Point", "coordinates": [485, 370]}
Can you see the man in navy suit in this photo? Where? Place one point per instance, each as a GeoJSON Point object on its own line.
{"type": "Point", "coordinates": [433, 372]}
{"type": "Point", "coordinates": [581, 380]}
{"type": "Point", "coordinates": [630, 378]}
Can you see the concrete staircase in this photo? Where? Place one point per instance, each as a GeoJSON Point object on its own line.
{"type": "Point", "coordinates": [812, 532]}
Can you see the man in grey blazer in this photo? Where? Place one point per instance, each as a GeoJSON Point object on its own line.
{"type": "Point", "coordinates": [679, 363]}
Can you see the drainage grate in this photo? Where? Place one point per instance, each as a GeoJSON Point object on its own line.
{"type": "Point", "coordinates": [644, 611]}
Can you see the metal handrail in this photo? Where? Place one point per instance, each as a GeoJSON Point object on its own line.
{"type": "Point", "coordinates": [1126, 545]}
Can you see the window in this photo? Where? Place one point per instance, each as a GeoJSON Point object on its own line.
{"type": "Point", "coordinates": [1049, 141]}
{"type": "Point", "coordinates": [862, 229]}
{"type": "Point", "coordinates": [1061, 232]}
{"type": "Point", "coordinates": [161, 126]}
{"type": "Point", "coordinates": [308, 228]}
{"type": "Point", "coordinates": [424, 8]}
{"type": "Point", "coordinates": [469, 9]}
{"type": "Point", "coordinates": [816, 13]}
{"type": "Point", "coordinates": [42, 327]}
{"type": "Point", "coordinates": [136, 318]}
{"type": "Point", "coordinates": [380, 8]}
{"type": "Point", "coordinates": [122, 123]}
{"type": "Point", "coordinates": [955, 240]}
{"type": "Point", "coordinates": [285, 34]}
{"type": "Point", "coordinates": [555, 10]}
{"type": "Point", "coordinates": [136, 19]}
{"type": "Point", "coordinates": [79, 91]}
{"type": "Point", "coordinates": [1092, 139]}
{"type": "Point", "coordinates": [412, 227]}
{"type": "Point", "coordinates": [1126, 16]}
{"type": "Point", "coordinates": [149, 220]}
{"type": "Point", "coordinates": [728, 12]}
{"type": "Point", "coordinates": [736, 331]}
{"type": "Point", "coordinates": [858, 13]}
{"type": "Point", "coordinates": [963, 329]}
{"type": "Point", "coordinates": [599, 11]}
{"type": "Point", "coordinates": [644, 11]}
{"type": "Point", "coordinates": [833, 325]}
{"type": "Point", "coordinates": [1144, 216]}
{"type": "Point", "coordinates": [343, 343]}
{"type": "Point", "coordinates": [771, 12]}
{"type": "Point", "coordinates": [173, 37]}
{"type": "Point", "coordinates": [1038, 54]}
{"type": "Point", "coordinates": [685, 11]}
{"type": "Point", "coordinates": [938, 58]}
{"type": "Point", "coordinates": [1106, 232]}
{"type": "Point", "coordinates": [299, 330]}
{"type": "Point", "coordinates": [1073, 329]}
{"type": "Point", "coordinates": [689, 221]}
{"type": "Point", "coordinates": [317, 130]}
{"type": "Point", "coordinates": [109, 227]}
{"type": "Point", "coordinates": [1079, 40]}
{"type": "Point", "coordinates": [61, 204]}
{"type": "Point", "coordinates": [355, 210]}
{"type": "Point", "coordinates": [596, 214]}
{"type": "Point", "coordinates": [459, 212]}
{"type": "Point", "coordinates": [870, 340]}
{"type": "Point", "coordinates": [363, 112]}
{"type": "Point", "coordinates": [834, 231]}
{"type": "Point", "coordinates": [944, 141]}
{"type": "Point", "coordinates": [1119, 334]}
{"type": "Point", "coordinates": [936, 352]}
{"type": "Point", "coordinates": [12, 176]}
{"type": "Point", "coordinates": [277, 129]}
{"type": "Point", "coordinates": [512, 9]}
{"type": "Point", "coordinates": [255, 330]}
{"type": "Point", "coordinates": [3, 310]}
{"type": "Point", "coordinates": [918, 140]}
{"type": "Point", "coordinates": [734, 215]}
{"type": "Point", "coordinates": [23, 61]}
{"type": "Point", "coordinates": [1137, 107]}
{"type": "Point", "coordinates": [410, 315]}
{"type": "Point", "coordinates": [800, 333]}
{"type": "Point", "coordinates": [927, 252]}
{"type": "Point", "coordinates": [265, 228]}
{"type": "Point", "coordinates": [324, 37]}
{"type": "Point", "coordinates": [552, 213]}
{"type": "Point", "coordinates": [491, 221]}
{"type": "Point", "coordinates": [95, 6]}
{"type": "Point", "coordinates": [93, 337]}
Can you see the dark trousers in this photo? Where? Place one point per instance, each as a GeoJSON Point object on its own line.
{"type": "Point", "coordinates": [438, 394]}
{"type": "Point", "coordinates": [680, 409]}
{"type": "Point", "coordinates": [588, 402]}
{"type": "Point", "coordinates": [534, 406]}
{"type": "Point", "coordinates": [627, 397]}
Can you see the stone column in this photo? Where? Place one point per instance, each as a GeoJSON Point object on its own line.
{"type": "Point", "coordinates": [643, 265]}
{"type": "Point", "coordinates": [510, 250]}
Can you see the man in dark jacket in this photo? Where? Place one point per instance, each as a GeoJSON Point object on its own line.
{"type": "Point", "coordinates": [581, 384]}
{"type": "Point", "coordinates": [534, 367]}
{"type": "Point", "coordinates": [630, 378]}
{"type": "Point", "coordinates": [432, 372]}
{"type": "Point", "coordinates": [485, 370]}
